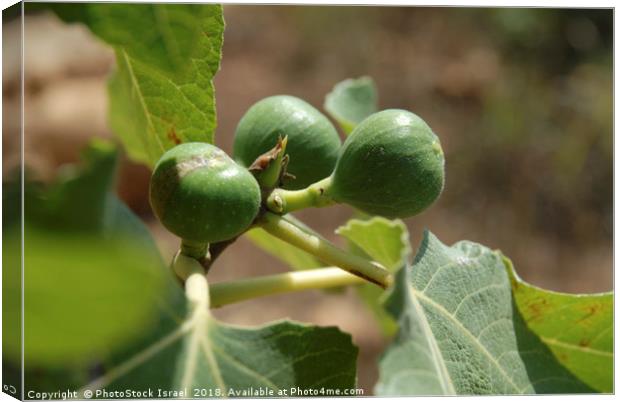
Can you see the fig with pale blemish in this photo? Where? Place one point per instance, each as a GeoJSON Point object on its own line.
{"type": "Point", "coordinates": [313, 142]}
{"type": "Point", "coordinates": [391, 165]}
{"type": "Point", "coordinates": [201, 195]}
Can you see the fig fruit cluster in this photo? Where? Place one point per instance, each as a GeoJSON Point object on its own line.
{"type": "Point", "coordinates": [391, 165]}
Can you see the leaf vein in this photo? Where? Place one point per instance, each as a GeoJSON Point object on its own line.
{"type": "Point", "coordinates": [585, 349]}
{"type": "Point", "coordinates": [485, 288]}
{"type": "Point", "coordinates": [253, 373]}
{"type": "Point", "coordinates": [474, 340]}
{"type": "Point", "coordinates": [134, 81]}
{"type": "Point", "coordinates": [442, 371]}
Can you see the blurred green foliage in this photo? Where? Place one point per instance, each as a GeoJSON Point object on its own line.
{"type": "Point", "coordinates": [93, 277]}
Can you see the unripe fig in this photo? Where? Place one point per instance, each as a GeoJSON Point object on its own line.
{"type": "Point", "coordinates": [313, 142]}
{"type": "Point", "coordinates": [201, 195]}
{"type": "Point", "coordinates": [391, 165]}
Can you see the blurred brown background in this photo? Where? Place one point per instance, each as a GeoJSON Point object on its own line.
{"type": "Point", "coordinates": [521, 99]}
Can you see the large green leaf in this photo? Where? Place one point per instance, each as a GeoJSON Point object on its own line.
{"type": "Point", "coordinates": [385, 241]}
{"type": "Point", "coordinates": [92, 272]}
{"type": "Point", "coordinates": [224, 360]}
{"type": "Point", "coordinates": [460, 332]}
{"type": "Point", "coordinates": [351, 101]}
{"type": "Point", "coordinates": [161, 93]}
{"type": "Point", "coordinates": [278, 356]}
{"type": "Point", "coordinates": [577, 328]}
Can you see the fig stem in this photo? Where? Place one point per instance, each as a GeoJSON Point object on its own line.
{"type": "Point", "coordinates": [316, 195]}
{"type": "Point", "coordinates": [196, 250]}
{"type": "Point", "coordinates": [224, 293]}
{"type": "Point", "coordinates": [192, 273]}
{"type": "Point", "coordinates": [324, 250]}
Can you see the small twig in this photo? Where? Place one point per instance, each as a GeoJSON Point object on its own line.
{"type": "Point", "coordinates": [324, 250]}
{"type": "Point", "coordinates": [224, 293]}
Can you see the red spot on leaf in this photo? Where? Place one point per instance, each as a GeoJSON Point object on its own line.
{"type": "Point", "coordinates": [537, 309]}
{"type": "Point", "coordinates": [172, 136]}
{"type": "Point", "coordinates": [590, 310]}
{"type": "Point", "coordinates": [584, 342]}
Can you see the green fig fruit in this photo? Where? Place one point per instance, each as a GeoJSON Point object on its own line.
{"type": "Point", "coordinates": [391, 165]}
{"type": "Point", "coordinates": [201, 195]}
{"type": "Point", "coordinates": [313, 142]}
